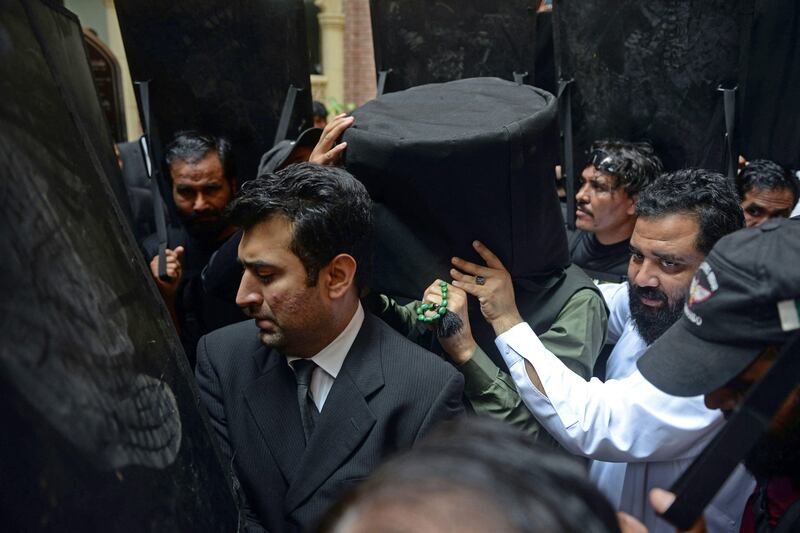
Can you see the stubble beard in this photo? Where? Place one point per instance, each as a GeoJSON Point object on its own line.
{"type": "Point", "coordinates": [272, 339]}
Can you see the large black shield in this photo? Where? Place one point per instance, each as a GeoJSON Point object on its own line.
{"type": "Point", "coordinates": [770, 84]}
{"type": "Point", "coordinates": [650, 71]}
{"type": "Point", "coordinates": [102, 428]}
{"type": "Point", "coordinates": [221, 67]}
{"type": "Point", "coordinates": [429, 42]}
{"type": "Point", "coordinates": [61, 39]}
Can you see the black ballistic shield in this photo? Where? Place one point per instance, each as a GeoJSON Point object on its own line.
{"type": "Point", "coordinates": [220, 67]}
{"type": "Point", "coordinates": [421, 41]}
{"type": "Point", "coordinates": [450, 163]}
{"type": "Point", "coordinates": [651, 71]}
{"type": "Point", "coordinates": [61, 38]}
{"type": "Point", "coordinates": [103, 431]}
{"type": "Point", "coordinates": [770, 85]}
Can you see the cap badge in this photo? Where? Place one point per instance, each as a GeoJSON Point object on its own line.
{"type": "Point", "coordinates": [698, 293]}
{"type": "Point", "coordinates": [789, 311]}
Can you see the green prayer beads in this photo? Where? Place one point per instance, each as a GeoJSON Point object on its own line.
{"type": "Point", "coordinates": [440, 309]}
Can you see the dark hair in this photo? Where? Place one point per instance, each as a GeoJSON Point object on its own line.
{"type": "Point", "coordinates": [319, 109]}
{"type": "Point", "coordinates": [634, 164]}
{"type": "Point", "coordinates": [708, 195]}
{"type": "Point", "coordinates": [192, 146]}
{"type": "Point", "coordinates": [766, 175]}
{"type": "Point", "coordinates": [535, 489]}
{"type": "Point", "coordinates": [330, 212]}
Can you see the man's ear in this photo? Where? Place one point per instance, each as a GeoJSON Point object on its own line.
{"type": "Point", "coordinates": [340, 275]}
{"type": "Point", "coordinates": [632, 207]}
{"type": "Point", "coordinates": [234, 182]}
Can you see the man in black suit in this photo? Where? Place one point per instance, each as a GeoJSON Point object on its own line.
{"type": "Point", "coordinates": [311, 395]}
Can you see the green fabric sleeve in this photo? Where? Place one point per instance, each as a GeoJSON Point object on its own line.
{"type": "Point", "coordinates": [401, 318]}
{"type": "Point", "coordinates": [576, 337]}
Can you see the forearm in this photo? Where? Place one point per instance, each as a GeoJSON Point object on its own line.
{"type": "Point", "coordinates": [491, 392]}
{"type": "Point", "coordinates": [401, 318]}
{"type": "Point", "coordinates": [627, 420]}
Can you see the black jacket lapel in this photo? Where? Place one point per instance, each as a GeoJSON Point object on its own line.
{"type": "Point", "coordinates": [346, 419]}
{"type": "Point", "coordinates": [272, 399]}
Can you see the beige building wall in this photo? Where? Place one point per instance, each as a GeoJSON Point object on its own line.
{"type": "Point", "coordinates": [132, 121]}
{"type": "Point", "coordinates": [331, 42]}
{"type": "Point", "coordinates": [348, 65]}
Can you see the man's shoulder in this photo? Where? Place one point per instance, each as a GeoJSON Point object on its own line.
{"type": "Point", "coordinates": [577, 235]}
{"type": "Point", "coordinates": [402, 355]}
{"type": "Point", "coordinates": [238, 338]}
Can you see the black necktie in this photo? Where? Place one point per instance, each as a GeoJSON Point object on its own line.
{"type": "Point", "coordinates": [303, 368]}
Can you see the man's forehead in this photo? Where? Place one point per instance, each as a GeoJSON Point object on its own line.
{"type": "Point", "coordinates": [209, 167]}
{"type": "Point", "coordinates": [270, 236]}
{"type": "Point", "coordinates": [770, 198]}
{"type": "Point", "coordinates": [671, 234]}
{"type": "Point", "coordinates": [592, 173]}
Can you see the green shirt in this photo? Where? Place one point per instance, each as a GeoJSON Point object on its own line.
{"type": "Point", "coordinates": [576, 338]}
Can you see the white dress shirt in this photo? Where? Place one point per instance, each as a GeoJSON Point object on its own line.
{"type": "Point", "coordinates": [331, 358]}
{"type": "Point", "coordinates": [638, 436]}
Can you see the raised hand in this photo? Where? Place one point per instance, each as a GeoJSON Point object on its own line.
{"type": "Point", "coordinates": [461, 345]}
{"type": "Point", "coordinates": [491, 285]}
{"type": "Point", "coordinates": [327, 152]}
{"type": "Point", "coordinates": [169, 288]}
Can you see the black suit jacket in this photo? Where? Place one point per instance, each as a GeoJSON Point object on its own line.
{"type": "Point", "coordinates": [388, 393]}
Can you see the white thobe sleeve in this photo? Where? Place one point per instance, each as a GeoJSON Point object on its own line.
{"type": "Point", "coordinates": [626, 420]}
{"type": "Point", "coordinates": [616, 298]}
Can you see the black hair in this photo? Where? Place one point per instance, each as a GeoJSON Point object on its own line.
{"type": "Point", "coordinates": [709, 195]}
{"type": "Point", "coordinates": [635, 164]}
{"type": "Point", "coordinates": [535, 489]}
{"type": "Point", "coordinates": [330, 212]}
{"type": "Point", "coordinates": [766, 175]}
{"type": "Point", "coordinates": [192, 146]}
{"type": "Point", "coordinates": [319, 109]}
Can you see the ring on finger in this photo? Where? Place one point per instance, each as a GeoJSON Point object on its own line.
{"type": "Point", "coordinates": [480, 280]}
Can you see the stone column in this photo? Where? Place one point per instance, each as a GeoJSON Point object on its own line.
{"type": "Point", "coordinates": [133, 125]}
{"type": "Point", "coordinates": [331, 27]}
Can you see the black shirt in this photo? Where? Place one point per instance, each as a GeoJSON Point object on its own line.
{"type": "Point", "coordinates": [599, 261]}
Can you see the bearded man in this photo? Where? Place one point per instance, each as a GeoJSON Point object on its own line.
{"type": "Point", "coordinates": [638, 436]}
{"type": "Point", "coordinates": [744, 310]}
{"type": "Point", "coordinates": [204, 181]}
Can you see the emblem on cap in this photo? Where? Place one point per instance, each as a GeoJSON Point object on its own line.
{"type": "Point", "coordinates": [699, 292]}
{"type": "Point", "coordinates": [789, 311]}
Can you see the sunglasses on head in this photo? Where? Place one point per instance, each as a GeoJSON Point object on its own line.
{"type": "Point", "coordinates": [603, 162]}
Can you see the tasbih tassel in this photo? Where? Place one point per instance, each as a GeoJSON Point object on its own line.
{"type": "Point", "coordinates": [447, 324]}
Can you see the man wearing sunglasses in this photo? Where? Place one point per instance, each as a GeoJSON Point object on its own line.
{"type": "Point", "coordinates": [606, 206]}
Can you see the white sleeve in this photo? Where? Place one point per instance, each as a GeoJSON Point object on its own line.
{"type": "Point", "coordinates": [626, 420]}
{"type": "Point", "coordinates": [616, 297]}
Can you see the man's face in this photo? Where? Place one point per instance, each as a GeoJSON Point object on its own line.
{"type": "Point", "coordinates": [759, 205]}
{"type": "Point", "coordinates": [274, 290]}
{"type": "Point", "coordinates": [201, 192]}
{"type": "Point", "coordinates": [664, 258]}
{"type": "Point", "coordinates": [602, 205]}
{"type": "Point", "coordinates": [778, 451]}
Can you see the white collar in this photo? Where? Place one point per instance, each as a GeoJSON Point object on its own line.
{"type": "Point", "coordinates": [331, 358]}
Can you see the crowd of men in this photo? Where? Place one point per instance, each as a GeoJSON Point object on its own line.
{"type": "Point", "coordinates": [312, 381]}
